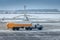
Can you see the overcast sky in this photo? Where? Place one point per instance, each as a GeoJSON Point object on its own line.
{"type": "Point", "coordinates": [31, 4]}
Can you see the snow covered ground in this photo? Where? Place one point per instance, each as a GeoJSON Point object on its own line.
{"type": "Point", "coordinates": [51, 31]}
{"type": "Point", "coordinates": [33, 15]}
{"type": "Point", "coordinates": [30, 35]}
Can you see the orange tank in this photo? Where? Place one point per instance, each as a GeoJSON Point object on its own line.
{"type": "Point", "coordinates": [11, 25]}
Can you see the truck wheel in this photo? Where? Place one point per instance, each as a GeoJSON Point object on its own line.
{"type": "Point", "coordinates": [15, 28]}
{"type": "Point", "coordinates": [28, 28]}
{"type": "Point", "coordinates": [40, 28]}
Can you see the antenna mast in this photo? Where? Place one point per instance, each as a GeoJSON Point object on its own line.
{"type": "Point", "coordinates": [26, 18]}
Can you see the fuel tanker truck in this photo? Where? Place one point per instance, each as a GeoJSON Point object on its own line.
{"type": "Point", "coordinates": [27, 25]}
